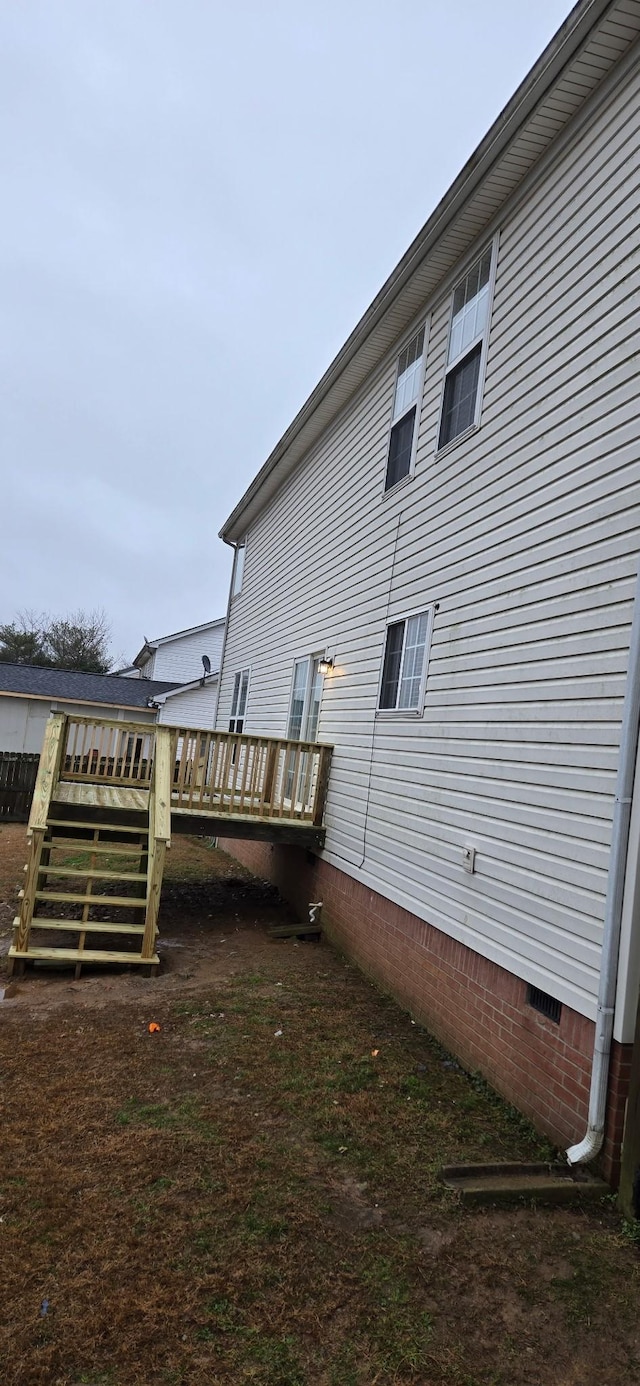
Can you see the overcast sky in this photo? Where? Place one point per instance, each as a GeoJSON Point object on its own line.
{"type": "Point", "coordinates": [199, 200]}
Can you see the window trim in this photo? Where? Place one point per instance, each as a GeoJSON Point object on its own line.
{"type": "Point", "coordinates": [407, 713]}
{"type": "Point", "coordinates": [423, 325]}
{"type": "Point", "coordinates": [493, 244]}
{"type": "Point", "coordinates": [236, 585]}
{"type": "Point", "coordinates": [234, 731]}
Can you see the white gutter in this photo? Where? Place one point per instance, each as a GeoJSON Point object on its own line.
{"type": "Point", "coordinates": [589, 1146]}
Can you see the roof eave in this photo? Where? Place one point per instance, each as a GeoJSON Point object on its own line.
{"type": "Point", "coordinates": [187, 687]}
{"type": "Point", "coordinates": [565, 43]}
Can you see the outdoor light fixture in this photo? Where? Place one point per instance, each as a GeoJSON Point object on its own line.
{"type": "Point", "coordinates": [325, 665]}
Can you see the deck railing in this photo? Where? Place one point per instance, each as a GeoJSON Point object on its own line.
{"type": "Point", "coordinates": [222, 773]}
{"type": "Point", "coordinates": [117, 753]}
{"type": "Point", "coordinates": [250, 776]}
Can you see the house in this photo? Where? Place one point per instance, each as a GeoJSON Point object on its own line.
{"type": "Point", "coordinates": [443, 548]}
{"type": "Point", "coordinates": [29, 693]}
{"type": "Point", "coordinates": [180, 657]}
{"type": "Point", "coordinates": [190, 704]}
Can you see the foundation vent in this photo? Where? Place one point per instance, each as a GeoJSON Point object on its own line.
{"type": "Point", "coordinates": [546, 1005]}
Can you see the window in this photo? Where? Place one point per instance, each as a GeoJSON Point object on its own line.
{"type": "Point", "coordinates": [238, 569]}
{"type": "Point", "coordinates": [239, 700]}
{"type": "Point", "coordinates": [405, 663]}
{"type": "Point", "coordinates": [467, 343]}
{"type": "Point", "coordinates": [305, 700]}
{"type": "Point", "coordinates": [304, 713]}
{"type": "Point", "coordinates": [405, 409]}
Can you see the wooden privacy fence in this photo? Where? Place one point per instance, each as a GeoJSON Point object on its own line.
{"type": "Point", "coordinates": [253, 776]}
{"type": "Point", "coordinates": [17, 781]}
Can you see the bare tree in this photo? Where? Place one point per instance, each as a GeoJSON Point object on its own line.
{"type": "Point", "coordinates": [78, 641]}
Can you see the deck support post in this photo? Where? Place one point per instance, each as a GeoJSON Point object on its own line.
{"type": "Point", "coordinates": [159, 833]}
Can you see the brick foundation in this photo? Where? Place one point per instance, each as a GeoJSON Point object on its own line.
{"type": "Point", "coordinates": [475, 1008]}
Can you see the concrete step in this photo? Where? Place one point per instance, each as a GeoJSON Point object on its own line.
{"type": "Point", "coordinates": [479, 1185]}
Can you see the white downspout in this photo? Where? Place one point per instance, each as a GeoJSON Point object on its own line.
{"type": "Point", "coordinates": [588, 1148]}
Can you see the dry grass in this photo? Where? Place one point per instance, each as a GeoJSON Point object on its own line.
{"type": "Point", "coordinates": [218, 1203]}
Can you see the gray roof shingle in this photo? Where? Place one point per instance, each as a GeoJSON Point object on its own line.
{"type": "Point", "coordinates": [70, 685]}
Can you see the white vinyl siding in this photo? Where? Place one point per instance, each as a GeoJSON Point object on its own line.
{"type": "Point", "coordinates": [196, 707]}
{"type": "Point", "coordinates": [526, 534]}
{"type": "Point", "coordinates": [180, 659]}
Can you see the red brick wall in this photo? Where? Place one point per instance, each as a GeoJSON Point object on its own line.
{"type": "Point", "coordinates": [477, 1009]}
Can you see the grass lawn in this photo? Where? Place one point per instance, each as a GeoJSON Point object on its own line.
{"type": "Point", "coordinates": [251, 1194]}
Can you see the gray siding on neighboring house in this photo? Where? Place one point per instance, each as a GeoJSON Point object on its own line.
{"type": "Point", "coordinates": [196, 707]}
{"type": "Point", "coordinates": [179, 660]}
{"type": "Point", "coordinates": [526, 536]}
{"type": "Point", "coordinates": [23, 720]}
{"type": "Point", "coordinates": [22, 724]}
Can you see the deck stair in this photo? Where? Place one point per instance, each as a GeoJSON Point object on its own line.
{"type": "Point", "coordinates": [106, 796]}
{"type": "Point", "coordinates": [92, 881]}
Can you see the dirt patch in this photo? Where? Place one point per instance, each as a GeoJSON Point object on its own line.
{"type": "Point", "coordinates": [251, 1193]}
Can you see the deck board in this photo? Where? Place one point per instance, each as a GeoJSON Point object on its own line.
{"type": "Point", "coordinates": [102, 795]}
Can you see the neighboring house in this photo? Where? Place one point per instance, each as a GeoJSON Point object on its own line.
{"type": "Point", "coordinates": [28, 693]}
{"type": "Point", "coordinates": [452, 520]}
{"type": "Point", "coordinates": [179, 656]}
{"type": "Point", "coordinates": [190, 704]}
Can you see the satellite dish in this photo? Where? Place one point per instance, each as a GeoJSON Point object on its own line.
{"type": "Point", "coordinates": [207, 664]}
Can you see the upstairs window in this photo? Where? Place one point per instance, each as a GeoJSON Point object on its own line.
{"type": "Point", "coordinates": [239, 700]}
{"type": "Point", "coordinates": [238, 569]}
{"type": "Point", "coordinates": [405, 409]}
{"type": "Point", "coordinates": [405, 664]}
{"type": "Point", "coordinates": [467, 349]}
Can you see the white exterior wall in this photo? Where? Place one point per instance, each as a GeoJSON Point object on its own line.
{"type": "Point", "coordinates": [195, 708]}
{"type": "Point", "coordinates": [526, 535]}
{"type": "Point", "coordinates": [22, 724]}
{"type": "Point", "coordinates": [180, 660]}
{"type": "Point", "coordinates": [23, 719]}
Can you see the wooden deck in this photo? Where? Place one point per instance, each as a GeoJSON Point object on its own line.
{"type": "Point", "coordinates": [217, 782]}
{"type": "Point", "coordinates": [119, 789]}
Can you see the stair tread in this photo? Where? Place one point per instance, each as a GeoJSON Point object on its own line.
{"type": "Point", "coordinates": [62, 897]}
{"type": "Point", "coordinates": [80, 955]}
{"type": "Point", "coordinates": [93, 873]}
{"type": "Point", "coordinates": [89, 825]}
{"type": "Point", "coordinates": [80, 844]}
{"type": "Point", "coordinates": [103, 926]}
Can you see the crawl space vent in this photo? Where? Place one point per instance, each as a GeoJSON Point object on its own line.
{"type": "Point", "coordinates": [546, 1005]}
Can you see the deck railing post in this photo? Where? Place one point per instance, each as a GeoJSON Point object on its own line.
{"type": "Point", "coordinates": [270, 772]}
{"type": "Point", "coordinates": [48, 770]}
{"type": "Point", "coordinates": [322, 784]}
